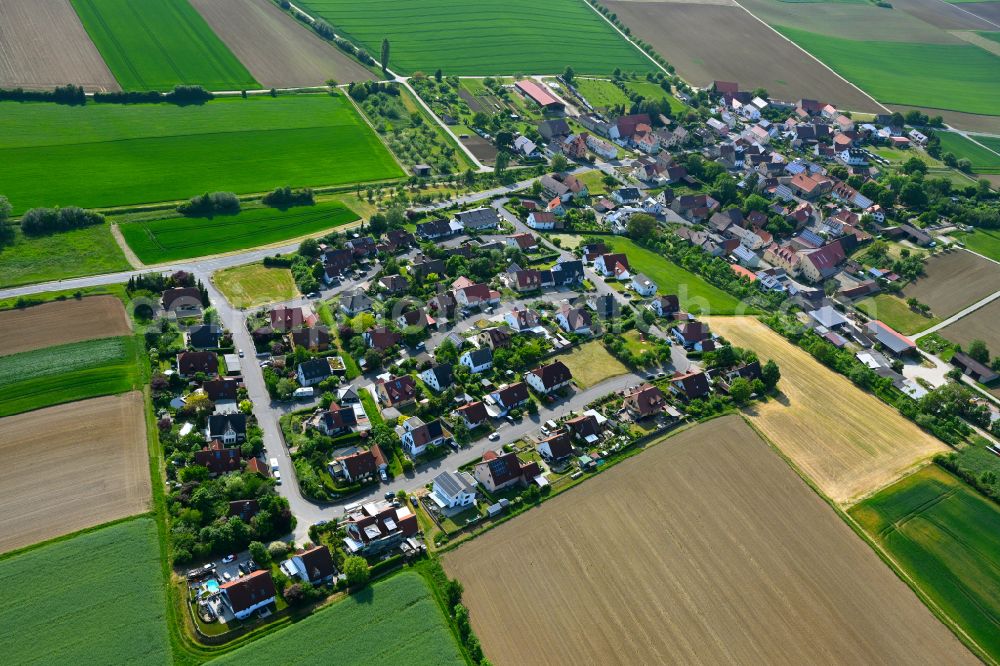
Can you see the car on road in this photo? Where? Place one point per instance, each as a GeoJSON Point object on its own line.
{"type": "Point", "coordinates": [314, 294]}
{"type": "Point", "coordinates": [210, 566]}
{"type": "Point", "coordinates": [389, 495]}
{"type": "Point", "coordinates": [385, 477]}
{"type": "Point", "coordinates": [240, 352]}
{"type": "Point", "coordinates": [494, 436]}
{"type": "Point", "coordinates": [277, 477]}
{"type": "Point", "coordinates": [228, 558]}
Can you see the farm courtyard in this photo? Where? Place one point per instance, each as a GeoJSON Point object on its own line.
{"type": "Point", "coordinates": [848, 443]}
{"type": "Point", "coordinates": [707, 548]}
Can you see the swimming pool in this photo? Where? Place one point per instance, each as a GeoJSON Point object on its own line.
{"type": "Point", "coordinates": [212, 586]}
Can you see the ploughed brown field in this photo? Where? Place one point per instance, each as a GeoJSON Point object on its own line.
{"type": "Point", "coordinates": [980, 325]}
{"type": "Point", "coordinates": [954, 281]}
{"type": "Point", "coordinates": [707, 42]}
{"type": "Point", "coordinates": [71, 467]}
{"type": "Point", "coordinates": [849, 443]}
{"type": "Point", "coordinates": [43, 45]}
{"type": "Point", "coordinates": [705, 549]}
{"type": "Point", "coordinates": [278, 51]}
{"type": "Point", "coordinates": [61, 322]}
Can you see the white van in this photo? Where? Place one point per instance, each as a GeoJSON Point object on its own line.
{"type": "Point", "coordinates": [305, 392]}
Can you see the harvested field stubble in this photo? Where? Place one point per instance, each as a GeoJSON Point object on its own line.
{"type": "Point", "coordinates": [706, 548]}
{"type": "Point", "coordinates": [707, 41]}
{"type": "Point", "coordinates": [848, 442]}
{"type": "Point", "coordinates": [60, 322]}
{"type": "Point", "coordinates": [71, 467]}
{"type": "Point", "coordinates": [278, 51]}
{"type": "Point", "coordinates": [953, 281]}
{"type": "Point", "coordinates": [26, 26]}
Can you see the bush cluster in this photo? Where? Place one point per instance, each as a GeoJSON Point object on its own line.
{"type": "Point", "coordinates": [216, 203]}
{"type": "Point", "coordinates": [48, 220]}
{"type": "Point", "coordinates": [60, 95]}
{"type": "Point", "coordinates": [284, 197]}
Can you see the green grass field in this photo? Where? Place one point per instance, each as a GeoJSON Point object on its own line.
{"type": "Point", "coordinates": [696, 295]}
{"type": "Point", "coordinates": [991, 142]}
{"type": "Point", "coordinates": [946, 536]}
{"type": "Point", "coordinates": [984, 241]}
{"type": "Point", "coordinates": [983, 160]}
{"type": "Point", "coordinates": [992, 36]}
{"type": "Point", "coordinates": [601, 94]}
{"type": "Point", "coordinates": [464, 37]}
{"type": "Point", "coordinates": [87, 251]}
{"type": "Point", "coordinates": [957, 77]}
{"type": "Point", "coordinates": [67, 373]}
{"type": "Point", "coordinates": [103, 155]}
{"type": "Point", "coordinates": [157, 44]}
{"type": "Point", "coordinates": [591, 364]}
{"type": "Point", "coordinates": [97, 597]}
{"type": "Point", "coordinates": [651, 90]}
{"type": "Point", "coordinates": [393, 621]}
{"type": "Point", "coordinates": [895, 313]}
{"type": "Point", "coordinates": [255, 284]}
{"type": "Point", "coordinates": [157, 241]}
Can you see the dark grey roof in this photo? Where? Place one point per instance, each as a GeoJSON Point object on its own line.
{"type": "Point", "coordinates": [219, 423]}
{"type": "Point", "coordinates": [316, 367]}
{"type": "Point", "coordinates": [434, 228]}
{"type": "Point", "coordinates": [828, 316]}
{"type": "Point", "coordinates": [204, 336]}
{"type": "Point", "coordinates": [565, 271]}
{"type": "Point", "coordinates": [481, 356]}
{"type": "Point", "coordinates": [453, 483]}
{"type": "Point", "coordinates": [356, 302]}
{"type": "Point", "coordinates": [480, 218]}
{"type": "Point", "coordinates": [443, 374]}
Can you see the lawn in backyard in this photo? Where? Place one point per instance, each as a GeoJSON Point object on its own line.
{"type": "Point", "coordinates": [157, 44]}
{"type": "Point", "coordinates": [591, 364]}
{"type": "Point", "coordinates": [87, 251]}
{"type": "Point", "coordinates": [958, 77]}
{"type": "Point", "coordinates": [895, 313]}
{"type": "Point", "coordinates": [392, 621]}
{"type": "Point", "coordinates": [984, 241]}
{"type": "Point", "coordinates": [466, 37]}
{"type": "Point", "coordinates": [594, 180]}
{"type": "Point", "coordinates": [696, 295]}
{"type": "Point", "coordinates": [168, 239]}
{"type": "Point", "coordinates": [255, 284]}
{"type": "Point", "coordinates": [651, 90]}
{"type": "Point", "coordinates": [983, 160]}
{"type": "Point", "coordinates": [97, 597]}
{"type": "Point", "coordinates": [103, 155]}
{"type": "Point", "coordinates": [601, 93]}
{"type": "Point", "coordinates": [67, 373]}
{"type": "Point", "coordinates": [946, 536]}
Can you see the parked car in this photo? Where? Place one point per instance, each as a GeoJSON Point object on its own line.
{"type": "Point", "coordinates": [389, 496]}
{"type": "Point", "coordinates": [277, 477]}
{"type": "Point", "coordinates": [385, 477]}
{"type": "Point", "coordinates": [252, 566]}
{"type": "Point", "coordinates": [494, 436]}
{"type": "Point", "coordinates": [228, 558]}
{"type": "Point", "coordinates": [240, 352]}
{"type": "Point", "coordinates": [226, 576]}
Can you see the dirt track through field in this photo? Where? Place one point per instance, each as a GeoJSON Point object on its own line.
{"type": "Point", "coordinates": [848, 442]}
{"type": "Point", "coordinates": [278, 51]}
{"type": "Point", "coordinates": [43, 45]}
{"type": "Point", "coordinates": [70, 467]}
{"type": "Point", "coordinates": [705, 549]}
{"type": "Point", "coordinates": [61, 322]}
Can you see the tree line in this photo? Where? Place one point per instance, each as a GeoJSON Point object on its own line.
{"type": "Point", "coordinates": [75, 96]}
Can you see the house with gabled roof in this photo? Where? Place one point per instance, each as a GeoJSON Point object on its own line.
{"type": "Point", "coordinates": [396, 391]}
{"type": "Point", "coordinates": [335, 420]}
{"type": "Point", "coordinates": [511, 397]}
{"type": "Point", "coordinates": [606, 263]}
{"type": "Point", "coordinates": [555, 448]}
{"type": "Point", "coordinates": [665, 306]}
{"type": "Point", "coordinates": [191, 363]}
{"type": "Point", "coordinates": [474, 414]}
{"type": "Point", "coordinates": [478, 219]}
{"type": "Point", "coordinates": [574, 320]}
{"type": "Point", "coordinates": [218, 458]}
{"type": "Point", "coordinates": [522, 319]}
{"type": "Point", "coordinates": [694, 335]}
{"type": "Point", "coordinates": [394, 284]}
{"type": "Point", "coordinates": [438, 377]}
{"type": "Point", "coordinates": [497, 472]}
{"type": "Point", "coordinates": [249, 593]}
{"type": "Point", "coordinates": [417, 435]}
{"type": "Point", "coordinates": [357, 467]}
{"type": "Point", "coordinates": [376, 527]}
{"type": "Point", "coordinates": [822, 263]}
{"type": "Point", "coordinates": [182, 301]}
{"type": "Point", "coordinates": [546, 379]}
{"type": "Point", "coordinates": [477, 360]}
{"type": "Point", "coordinates": [691, 385]}
{"type": "Point", "coordinates": [494, 338]}
{"type": "Point", "coordinates": [645, 401]}
{"type": "Point", "coordinates": [434, 230]}
{"type": "Point", "coordinates": [453, 490]}
{"type": "Point", "coordinates": [314, 565]}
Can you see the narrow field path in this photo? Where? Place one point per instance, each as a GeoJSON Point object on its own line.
{"type": "Point", "coordinates": [133, 260]}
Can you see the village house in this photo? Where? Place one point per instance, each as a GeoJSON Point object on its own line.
{"type": "Point", "coordinates": [522, 319]}
{"type": "Point", "coordinates": [574, 320]}
{"type": "Point", "coordinates": [478, 219]}
{"type": "Point", "coordinates": [314, 339]}
{"type": "Point", "coordinates": [381, 338]}
{"type": "Point", "coordinates": [477, 360]}
{"type": "Point", "coordinates": [546, 379]}
{"type": "Point", "coordinates": [313, 371]}
{"type": "Point", "coordinates": [494, 338]}
{"type": "Point", "coordinates": [691, 385]}
{"type": "Point", "coordinates": [219, 390]}
{"type": "Point", "coordinates": [969, 366]}
{"type": "Point", "coordinates": [646, 401]}
{"type": "Point", "coordinates": [523, 242]}
{"type": "Point", "coordinates": [586, 428]}
{"type": "Point", "coordinates": [357, 467]}
{"type": "Point", "coordinates": [818, 265]}
{"type": "Point", "coordinates": [396, 391]}
{"type": "Point", "coordinates": [438, 377]}
{"type": "Point", "coordinates": [250, 593]}
{"type": "Point", "coordinates": [477, 295]}
{"type": "Point", "coordinates": [218, 459]}
{"type": "Point", "coordinates": [473, 414]}
{"type": "Point", "coordinates": [567, 272]}
{"type": "Point", "coordinates": [694, 335]}
{"type": "Point", "coordinates": [417, 435]}
{"type": "Point", "coordinates": [543, 221]}
{"type": "Point", "coordinates": [182, 301]}
{"type": "Point", "coordinates": [497, 472]}
{"type": "Point", "coordinates": [435, 230]}
{"type": "Point", "coordinates": [377, 527]}
{"type": "Point", "coordinates": [452, 490]}
{"type": "Point", "coordinates": [511, 397]}
{"type": "Point", "coordinates": [336, 420]}
{"type": "Point", "coordinates": [810, 186]}
{"type": "Point", "coordinates": [193, 362]}
{"type": "Point", "coordinates": [228, 428]}
{"type": "Point", "coordinates": [665, 306]}
{"type": "Point", "coordinates": [314, 565]}
{"type": "Point", "coordinates": [642, 285]}
{"type": "Point", "coordinates": [205, 336]}
{"type": "Point", "coordinates": [285, 319]}
{"type": "Point", "coordinates": [555, 448]}
{"type": "Point", "coordinates": [895, 342]}
{"type": "Point", "coordinates": [394, 284]}
{"type": "Point", "coordinates": [607, 264]}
